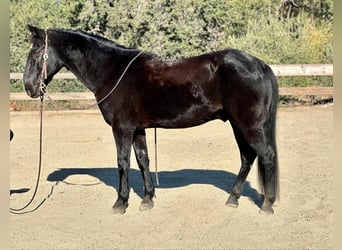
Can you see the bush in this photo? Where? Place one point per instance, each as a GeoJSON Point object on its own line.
{"type": "Point", "coordinates": [175, 29]}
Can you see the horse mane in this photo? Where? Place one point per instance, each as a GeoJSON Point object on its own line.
{"type": "Point", "coordinates": [92, 36]}
{"type": "Point", "coordinates": [99, 38]}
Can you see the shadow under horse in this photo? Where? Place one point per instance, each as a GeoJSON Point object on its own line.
{"type": "Point", "coordinates": [168, 179]}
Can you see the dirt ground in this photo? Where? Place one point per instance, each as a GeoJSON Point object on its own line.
{"type": "Point", "coordinates": [197, 167]}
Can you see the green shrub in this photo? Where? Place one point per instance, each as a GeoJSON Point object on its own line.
{"type": "Point", "coordinates": [175, 29]}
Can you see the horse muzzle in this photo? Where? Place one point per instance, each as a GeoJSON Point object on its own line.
{"type": "Point", "coordinates": [33, 91]}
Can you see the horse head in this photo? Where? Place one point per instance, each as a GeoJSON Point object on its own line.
{"type": "Point", "coordinates": [42, 63]}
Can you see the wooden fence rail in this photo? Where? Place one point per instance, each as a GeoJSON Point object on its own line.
{"type": "Point", "coordinates": [303, 69]}
{"type": "Point", "coordinates": [279, 70]}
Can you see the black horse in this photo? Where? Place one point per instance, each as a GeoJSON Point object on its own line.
{"type": "Point", "coordinates": [136, 90]}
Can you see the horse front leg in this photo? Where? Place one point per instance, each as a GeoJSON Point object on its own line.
{"type": "Point", "coordinates": [140, 150]}
{"type": "Point", "coordinates": [123, 140]}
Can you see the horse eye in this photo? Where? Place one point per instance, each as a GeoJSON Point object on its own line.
{"type": "Point", "coordinates": [35, 55]}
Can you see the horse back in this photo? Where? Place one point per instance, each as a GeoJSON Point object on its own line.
{"type": "Point", "coordinates": [188, 92]}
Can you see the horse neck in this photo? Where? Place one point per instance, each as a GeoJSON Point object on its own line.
{"type": "Point", "coordinates": [93, 64]}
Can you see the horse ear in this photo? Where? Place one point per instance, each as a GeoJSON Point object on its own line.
{"type": "Point", "coordinates": [32, 29]}
{"type": "Point", "coordinates": [36, 33]}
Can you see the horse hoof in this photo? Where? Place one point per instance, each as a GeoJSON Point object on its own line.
{"type": "Point", "coordinates": [117, 210]}
{"type": "Point", "coordinates": [119, 207]}
{"type": "Point", "coordinates": [266, 211]}
{"type": "Point", "coordinates": [146, 204]}
{"type": "Point", "coordinates": [232, 202]}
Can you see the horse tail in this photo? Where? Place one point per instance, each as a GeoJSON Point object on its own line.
{"type": "Point", "coordinates": [270, 133]}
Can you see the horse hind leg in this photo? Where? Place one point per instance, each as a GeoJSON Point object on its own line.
{"type": "Point", "coordinates": [267, 167]}
{"type": "Point", "coordinates": [141, 154]}
{"type": "Point", "coordinates": [268, 178]}
{"type": "Point", "coordinates": [247, 155]}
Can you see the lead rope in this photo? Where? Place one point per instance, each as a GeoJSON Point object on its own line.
{"type": "Point", "coordinates": [20, 210]}
{"type": "Point", "coordinates": [156, 156]}
{"type": "Point", "coordinates": [43, 91]}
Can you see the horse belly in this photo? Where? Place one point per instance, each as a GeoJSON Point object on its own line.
{"type": "Point", "coordinates": [193, 116]}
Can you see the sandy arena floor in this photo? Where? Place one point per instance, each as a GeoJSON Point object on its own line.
{"type": "Point", "coordinates": [197, 168]}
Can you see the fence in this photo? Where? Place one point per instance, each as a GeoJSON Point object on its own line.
{"type": "Point", "coordinates": [279, 70]}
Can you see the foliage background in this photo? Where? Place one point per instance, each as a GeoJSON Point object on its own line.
{"type": "Point", "coordinates": [185, 28]}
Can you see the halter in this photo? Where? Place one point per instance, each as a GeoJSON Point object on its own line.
{"type": "Point", "coordinates": [44, 68]}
